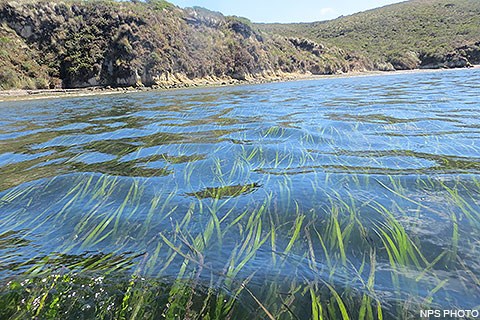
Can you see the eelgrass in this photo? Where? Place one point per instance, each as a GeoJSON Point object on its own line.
{"type": "Point", "coordinates": [319, 245]}
{"type": "Point", "coordinates": [209, 220]}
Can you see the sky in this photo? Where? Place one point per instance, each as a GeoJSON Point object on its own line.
{"type": "Point", "coordinates": [286, 10]}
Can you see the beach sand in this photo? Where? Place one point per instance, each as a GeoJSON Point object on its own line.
{"type": "Point", "coordinates": [21, 95]}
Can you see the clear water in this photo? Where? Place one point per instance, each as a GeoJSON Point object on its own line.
{"type": "Point", "coordinates": [290, 190]}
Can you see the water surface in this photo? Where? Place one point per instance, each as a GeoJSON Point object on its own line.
{"type": "Point", "coordinates": [339, 197]}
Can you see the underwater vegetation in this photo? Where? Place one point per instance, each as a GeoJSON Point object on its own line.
{"type": "Point", "coordinates": [352, 198]}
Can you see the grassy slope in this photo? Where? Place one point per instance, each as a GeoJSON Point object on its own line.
{"type": "Point", "coordinates": [18, 66]}
{"type": "Point", "coordinates": [424, 27]}
{"type": "Point", "coordinates": [103, 42]}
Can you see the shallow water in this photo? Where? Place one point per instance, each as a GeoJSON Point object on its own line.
{"type": "Point", "coordinates": [249, 200]}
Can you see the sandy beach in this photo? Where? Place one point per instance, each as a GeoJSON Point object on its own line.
{"type": "Point", "coordinates": [22, 95]}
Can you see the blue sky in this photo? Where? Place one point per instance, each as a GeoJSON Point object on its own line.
{"type": "Point", "coordinates": [286, 10]}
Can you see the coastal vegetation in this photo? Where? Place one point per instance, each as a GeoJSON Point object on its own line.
{"type": "Point", "coordinates": [100, 43]}
{"type": "Point", "coordinates": [407, 35]}
{"type": "Point", "coordinates": [75, 44]}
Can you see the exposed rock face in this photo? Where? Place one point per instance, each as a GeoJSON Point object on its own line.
{"type": "Point", "coordinates": [470, 52]}
{"type": "Point", "coordinates": [405, 61]}
{"type": "Point", "coordinates": [200, 16]}
{"type": "Point", "coordinates": [385, 66]}
{"type": "Point", "coordinates": [462, 57]}
{"type": "Point", "coordinates": [457, 62]}
{"type": "Point", "coordinates": [308, 45]}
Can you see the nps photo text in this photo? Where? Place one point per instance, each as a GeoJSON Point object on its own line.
{"type": "Point", "coordinates": [450, 314]}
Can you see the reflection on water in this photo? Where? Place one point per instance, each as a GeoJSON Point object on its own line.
{"type": "Point", "coordinates": [357, 196]}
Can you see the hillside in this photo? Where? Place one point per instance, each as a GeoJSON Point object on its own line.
{"type": "Point", "coordinates": [407, 35]}
{"type": "Point", "coordinates": [75, 44]}
{"type": "Point", "coordinates": [84, 43]}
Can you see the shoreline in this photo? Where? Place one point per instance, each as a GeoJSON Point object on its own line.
{"type": "Point", "coordinates": [26, 95]}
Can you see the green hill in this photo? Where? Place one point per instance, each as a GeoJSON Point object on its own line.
{"type": "Point", "coordinates": [411, 34]}
{"type": "Point", "coordinates": [77, 43]}
{"type": "Point", "coordinates": [83, 43]}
